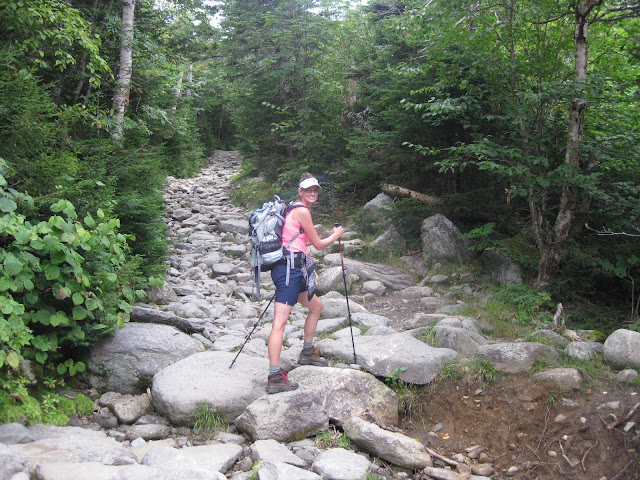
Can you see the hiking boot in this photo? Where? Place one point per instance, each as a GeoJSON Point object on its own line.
{"type": "Point", "coordinates": [278, 382]}
{"type": "Point", "coordinates": [309, 356]}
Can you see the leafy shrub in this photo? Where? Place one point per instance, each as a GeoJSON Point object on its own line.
{"type": "Point", "coordinates": [61, 285]}
{"type": "Point", "coordinates": [525, 303]}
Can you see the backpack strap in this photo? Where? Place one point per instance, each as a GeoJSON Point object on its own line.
{"type": "Point", "coordinates": [291, 257]}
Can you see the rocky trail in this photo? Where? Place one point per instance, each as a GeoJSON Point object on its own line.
{"type": "Point", "coordinates": [422, 404]}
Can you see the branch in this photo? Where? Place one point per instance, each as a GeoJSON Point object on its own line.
{"type": "Point", "coordinates": [627, 417]}
{"type": "Point", "coordinates": [405, 192]}
{"type": "Point", "coordinates": [608, 231]}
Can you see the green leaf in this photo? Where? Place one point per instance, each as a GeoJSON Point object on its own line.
{"type": "Point", "coordinates": [78, 298]}
{"type": "Point", "coordinates": [61, 369]}
{"type": "Point", "coordinates": [51, 272]}
{"type": "Point", "coordinates": [91, 303]}
{"type": "Point", "coordinates": [13, 359]}
{"type": "Point", "coordinates": [79, 313]}
{"type": "Point", "coordinates": [7, 205]}
{"type": "Point", "coordinates": [80, 367]}
{"type": "Point", "coordinates": [12, 265]}
{"type": "Point", "coordinates": [41, 357]}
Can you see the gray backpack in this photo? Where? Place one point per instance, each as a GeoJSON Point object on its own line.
{"type": "Point", "coordinates": [265, 233]}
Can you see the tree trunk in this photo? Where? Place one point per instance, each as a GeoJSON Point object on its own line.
{"type": "Point", "coordinates": [123, 82]}
{"type": "Point", "coordinates": [549, 257]}
{"type": "Point", "coordinates": [405, 192]}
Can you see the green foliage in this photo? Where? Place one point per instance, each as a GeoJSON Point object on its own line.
{"type": "Point", "coordinates": [367, 223]}
{"type": "Point", "coordinates": [523, 303]}
{"type": "Point", "coordinates": [483, 371]}
{"type": "Point", "coordinates": [407, 216]}
{"type": "Point", "coordinates": [428, 336]}
{"type": "Point", "coordinates": [206, 420]}
{"type": "Point", "coordinates": [481, 237]}
{"type": "Point", "coordinates": [60, 287]}
{"type": "Point", "coordinates": [332, 438]}
{"type": "Point", "coordinates": [39, 403]}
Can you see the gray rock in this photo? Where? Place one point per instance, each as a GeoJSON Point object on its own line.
{"type": "Point", "coordinates": [382, 201]}
{"type": "Point", "coordinates": [554, 337]}
{"type": "Point", "coordinates": [442, 474]}
{"type": "Point", "coordinates": [148, 314]}
{"type": "Point", "coordinates": [416, 292]}
{"type": "Point", "coordinates": [400, 354]}
{"type": "Point", "coordinates": [341, 464]}
{"type": "Point", "coordinates": [194, 462]}
{"type": "Point", "coordinates": [331, 279]}
{"type": "Point", "coordinates": [369, 319]}
{"type": "Point", "coordinates": [130, 408]}
{"type": "Point", "coordinates": [441, 242]}
{"type": "Point", "coordinates": [622, 349]}
{"type": "Point", "coordinates": [72, 444]}
{"type": "Point", "coordinates": [127, 360]}
{"type": "Point", "coordinates": [501, 267]}
{"type": "Point", "coordinates": [560, 379]}
{"type": "Point", "coordinates": [335, 305]}
{"type": "Point", "coordinates": [583, 350]}
{"type": "Point", "coordinates": [344, 393]}
{"type": "Point", "coordinates": [96, 471]}
{"type": "Point", "coordinates": [517, 357]}
{"type": "Point", "coordinates": [465, 342]}
{"type": "Point", "coordinates": [393, 447]}
{"type": "Point", "coordinates": [148, 432]}
{"type": "Point", "coordinates": [206, 377]}
{"type": "Point", "coordinates": [12, 433]}
{"type": "Point", "coordinates": [271, 450]}
{"type": "Point", "coordinates": [13, 462]}
{"type": "Point", "coordinates": [234, 225]}
{"type": "Point", "coordinates": [628, 375]}
{"type": "Point", "coordinates": [284, 417]}
{"type": "Point", "coordinates": [274, 470]}
{"type": "Point", "coordinates": [375, 287]}
{"type": "Point", "coordinates": [390, 239]}
{"type": "Point", "coordinates": [392, 277]}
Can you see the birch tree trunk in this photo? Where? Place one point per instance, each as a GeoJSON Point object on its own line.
{"type": "Point", "coordinates": [575, 135]}
{"type": "Point", "coordinates": [123, 81]}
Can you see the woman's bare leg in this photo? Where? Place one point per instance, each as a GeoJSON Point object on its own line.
{"type": "Point", "coordinates": [280, 318]}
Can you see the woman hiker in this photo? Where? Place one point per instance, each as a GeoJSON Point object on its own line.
{"type": "Point", "coordinates": [297, 222]}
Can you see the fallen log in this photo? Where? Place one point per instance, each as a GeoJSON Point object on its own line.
{"type": "Point", "coordinates": [395, 190]}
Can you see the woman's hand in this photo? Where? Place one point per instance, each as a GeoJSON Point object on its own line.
{"type": "Point", "coordinates": [338, 232]}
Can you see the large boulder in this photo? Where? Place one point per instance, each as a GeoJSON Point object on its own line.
{"type": "Point", "coordinates": [501, 267]}
{"type": "Point", "coordinates": [622, 348]}
{"type": "Point", "coordinates": [196, 463]}
{"type": "Point", "coordinates": [441, 241]}
{"type": "Point", "coordinates": [399, 355]}
{"type": "Point", "coordinates": [127, 360]}
{"type": "Point", "coordinates": [206, 378]}
{"type": "Point", "coordinates": [69, 444]}
{"type": "Point", "coordinates": [459, 334]}
{"type": "Point", "coordinates": [344, 393]}
{"type": "Point", "coordinates": [392, 277]}
{"type": "Point", "coordinates": [286, 417]}
{"type": "Point", "coordinates": [393, 447]}
{"type": "Point", "coordinates": [517, 357]}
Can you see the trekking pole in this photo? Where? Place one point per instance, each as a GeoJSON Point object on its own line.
{"type": "Point", "coordinates": [346, 294]}
{"type": "Point", "coordinates": [255, 325]}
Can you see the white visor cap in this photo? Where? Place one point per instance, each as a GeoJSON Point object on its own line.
{"type": "Point", "coordinates": [309, 182]}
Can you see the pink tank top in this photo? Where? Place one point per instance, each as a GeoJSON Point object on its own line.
{"type": "Point", "coordinates": [289, 230]}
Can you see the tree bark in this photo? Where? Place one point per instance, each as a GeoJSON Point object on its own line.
{"type": "Point", "coordinates": [549, 258]}
{"type": "Point", "coordinates": [405, 192]}
{"type": "Point", "coordinates": [123, 82]}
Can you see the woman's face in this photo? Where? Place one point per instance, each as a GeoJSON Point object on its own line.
{"type": "Point", "coordinates": [309, 195]}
